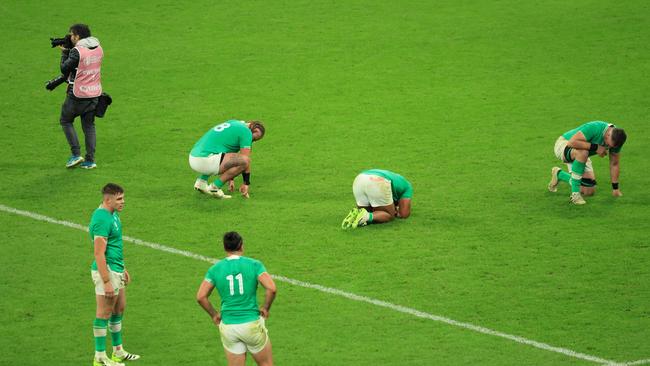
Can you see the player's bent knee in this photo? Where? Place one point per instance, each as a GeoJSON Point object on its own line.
{"type": "Point", "coordinates": [581, 154]}
{"type": "Point", "coordinates": [588, 182]}
{"type": "Point", "coordinates": [587, 186]}
{"type": "Point", "coordinates": [585, 191]}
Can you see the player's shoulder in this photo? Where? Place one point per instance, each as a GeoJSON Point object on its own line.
{"type": "Point", "coordinates": [216, 266]}
{"type": "Point", "coordinates": [101, 214]}
{"type": "Point", "coordinates": [236, 123]}
{"type": "Point", "coordinates": [250, 260]}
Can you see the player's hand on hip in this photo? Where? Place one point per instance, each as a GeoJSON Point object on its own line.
{"type": "Point", "coordinates": [217, 319]}
{"type": "Point", "coordinates": [244, 190]}
{"type": "Point", "coordinates": [602, 151]}
{"type": "Point", "coordinates": [108, 289]}
{"type": "Point", "coordinates": [231, 185]}
{"type": "Point", "coordinates": [617, 193]}
{"type": "Point", "coordinates": [264, 313]}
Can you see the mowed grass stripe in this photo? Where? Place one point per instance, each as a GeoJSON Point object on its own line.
{"type": "Point", "coordinates": [333, 291]}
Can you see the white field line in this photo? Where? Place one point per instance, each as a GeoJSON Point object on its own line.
{"type": "Point", "coordinates": [635, 363]}
{"type": "Point", "coordinates": [347, 295]}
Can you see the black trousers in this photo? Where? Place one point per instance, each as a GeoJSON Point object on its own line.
{"type": "Point", "coordinates": [84, 108]}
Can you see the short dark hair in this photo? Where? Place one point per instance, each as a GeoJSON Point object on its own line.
{"type": "Point", "coordinates": [112, 189]}
{"type": "Point", "coordinates": [257, 125]}
{"type": "Point", "coordinates": [618, 137]}
{"type": "Point", "coordinates": [232, 241]}
{"type": "Point", "coordinates": [81, 30]}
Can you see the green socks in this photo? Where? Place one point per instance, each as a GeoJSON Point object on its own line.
{"type": "Point", "coordinates": [369, 217]}
{"type": "Point", "coordinates": [204, 177]}
{"type": "Point", "coordinates": [218, 183]}
{"type": "Point", "coordinates": [563, 176]}
{"type": "Point", "coordinates": [577, 170]}
{"type": "Point", "coordinates": [115, 326]}
{"type": "Point", "coordinates": [99, 330]}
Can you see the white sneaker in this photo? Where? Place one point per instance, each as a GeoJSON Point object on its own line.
{"type": "Point", "coordinates": [124, 356]}
{"type": "Point", "coordinates": [216, 192]}
{"type": "Point", "coordinates": [105, 361]}
{"type": "Point", "coordinates": [201, 186]}
{"type": "Point", "coordinates": [576, 199]}
{"type": "Point", "coordinates": [552, 186]}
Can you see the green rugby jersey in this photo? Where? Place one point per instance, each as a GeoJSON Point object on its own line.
{"type": "Point", "coordinates": [235, 278]}
{"type": "Point", "coordinates": [108, 225]}
{"type": "Point", "coordinates": [594, 133]}
{"type": "Point", "coordinates": [228, 137]}
{"type": "Point", "coordinates": [400, 187]}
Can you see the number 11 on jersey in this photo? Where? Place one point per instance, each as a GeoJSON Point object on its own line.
{"type": "Point", "coordinates": [231, 281]}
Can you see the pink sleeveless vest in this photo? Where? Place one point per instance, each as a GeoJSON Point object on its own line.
{"type": "Point", "coordinates": [87, 82]}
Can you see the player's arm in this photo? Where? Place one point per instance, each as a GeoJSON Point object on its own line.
{"type": "Point", "coordinates": [202, 298]}
{"type": "Point", "coordinates": [246, 174]}
{"type": "Point", "coordinates": [614, 171]}
{"type": "Point", "coordinates": [269, 295]}
{"type": "Point", "coordinates": [579, 142]}
{"type": "Point", "coordinates": [404, 208]}
{"type": "Point", "coordinates": [100, 258]}
{"type": "Point", "coordinates": [247, 152]}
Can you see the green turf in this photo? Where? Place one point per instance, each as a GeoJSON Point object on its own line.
{"type": "Point", "coordinates": [464, 98]}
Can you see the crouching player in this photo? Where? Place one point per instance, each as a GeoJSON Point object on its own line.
{"type": "Point", "coordinates": [240, 322]}
{"type": "Point", "coordinates": [576, 146]}
{"type": "Point", "coordinates": [381, 196]}
{"type": "Point", "coordinates": [225, 151]}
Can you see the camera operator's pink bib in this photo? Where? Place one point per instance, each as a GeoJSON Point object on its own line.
{"type": "Point", "coordinates": [87, 82]}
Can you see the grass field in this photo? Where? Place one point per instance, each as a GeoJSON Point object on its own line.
{"type": "Point", "coordinates": [464, 98]}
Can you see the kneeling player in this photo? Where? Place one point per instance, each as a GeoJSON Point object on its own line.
{"type": "Point", "coordinates": [576, 146]}
{"type": "Point", "coordinates": [240, 322]}
{"type": "Point", "coordinates": [381, 196]}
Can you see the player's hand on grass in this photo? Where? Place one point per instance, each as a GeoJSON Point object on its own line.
{"type": "Point", "coordinates": [602, 151]}
{"type": "Point", "coordinates": [231, 185]}
{"type": "Point", "coordinates": [264, 313]}
{"type": "Point", "coordinates": [108, 289]}
{"type": "Point", "coordinates": [244, 190]}
{"type": "Point", "coordinates": [617, 193]}
{"type": "Point", "coordinates": [217, 319]}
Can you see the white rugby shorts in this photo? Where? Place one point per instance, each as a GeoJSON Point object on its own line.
{"type": "Point", "coordinates": [560, 145]}
{"type": "Point", "coordinates": [208, 165]}
{"type": "Point", "coordinates": [117, 280]}
{"type": "Point", "coordinates": [372, 190]}
{"type": "Point", "coordinates": [238, 338]}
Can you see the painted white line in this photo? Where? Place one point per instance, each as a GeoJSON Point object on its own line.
{"type": "Point", "coordinates": [639, 362]}
{"type": "Point", "coordinates": [347, 295]}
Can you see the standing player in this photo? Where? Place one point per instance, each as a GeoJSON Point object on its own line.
{"type": "Point", "coordinates": [381, 195]}
{"type": "Point", "coordinates": [225, 151]}
{"type": "Point", "coordinates": [240, 322]}
{"type": "Point", "coordinates": [574, 148]}
{"type": "Point", "coordinates": [110, 276]}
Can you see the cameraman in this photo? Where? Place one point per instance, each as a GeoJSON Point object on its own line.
{"type": "Point", "coordinates": [82, 64]}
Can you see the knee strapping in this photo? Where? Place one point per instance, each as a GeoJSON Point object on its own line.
{"type": "Point", "coordinates": [586, 182]}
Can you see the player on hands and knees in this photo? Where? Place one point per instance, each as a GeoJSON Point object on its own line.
{"type": "Point", "coordinates": [381, 196]}
{"type": "Point", "coordinates": [240, 322]}
{"type": "Point", "coordinates": [576, 146]}
{"type": "Point", "coordinates": [225, 150]}
{"type": "Point", "coordinates": [110, 277]}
